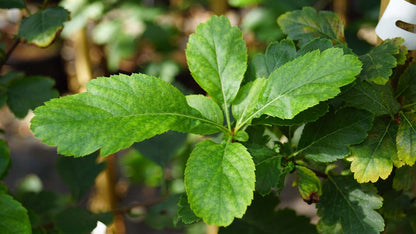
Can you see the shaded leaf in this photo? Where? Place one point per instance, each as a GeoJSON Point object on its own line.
{"type": "Point", "coordinates": [308, 184]}
{"type": "Point", "coordinates": [309, 115]}
{"type": "Point", "coordinates": [5, 161]}
{"type": "Point", "coordinates": [351, 205]}
{"type": "Point", "coordinates": [373, 159]}
{"type": "Point", "coordinates": [307, 24]}
{"type": "Point", "coordinates": [277, 54]}
{"type": "Point", "coordinates": [13, 216]}
{"type": "Point", "coordinates": [79, 173]}
{"type": "Point", "coordinates": [302, 83]}
{"type": "Point", "coordinates": [217, 58]}
{"type": "Point", "coordinates": [77, 220]}
{"type": "Point", "coordinates": [138, 169]}
{"type": "Point", "coordinates": [185, 213]}
{"type": "Point", "coordinates": [113, 114]}
{"type": "Point", "coordinates": [261, 218]}
{"type": "Point", "coordinates": [404, 178]}
{"type": "Point", "coordinates": [219, 181]}
{"type": "Point", "coordinates": [163, 214]}
{"type": "Point", "coordinates": [406, 139]}
{"type": "Point", "coordinates": [28, 93]}
{"type": "Point", "coordinates": [378, 99]}
{"type": "Point", "coordinates": [379, 62]}
{"type": "Point", "coordinates": [12, 4]}
{"type": "Point", "coordinates": [327, 139]}
{"type": "Point", "coordinates": [42, 27]}
{"type": "Point", "coordinates": [10, 76]}
{"type": "Point", "coordinates": [407, 84]}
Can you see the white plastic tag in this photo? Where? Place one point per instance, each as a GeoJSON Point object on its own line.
{"type": "Point", "coordinates": [398, 10]}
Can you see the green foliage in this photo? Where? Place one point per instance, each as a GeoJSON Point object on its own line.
{"type": "Point", "coordinates": [140, 169]}
{"type": "Point", "coordinates": [243, 3]}
{"type": "Point", "coordinates": [406, 139]}
{"type": "Point", "coordinates": [4, 158]}
{"type": "Point", "coordinates": [12, 4]}
{"type": "Point", "coordinates": [185, 212]}
{"type": "Point", "coordinates": [13, 216]}
{"type": "Point", "coordinates": [42, 27]}
{"type": "Point", "coordinates": [404, 178]}
{"type": "Point", "coordinates": [308, 183]}
{"type": "Point", "coordinates": [76, 220]}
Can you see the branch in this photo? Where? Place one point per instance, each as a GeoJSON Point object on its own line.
{"type": "Point", "coordinates": [10, 51]}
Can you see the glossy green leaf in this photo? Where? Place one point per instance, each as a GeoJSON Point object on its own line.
{"type": "Point", "coordinates": [209, 110]}
{"type": "Point", "coordinates": [308, 184]}
{"type": "Point", "coordinates": [113, 114]}
{"type": "Point", "coordinates": [243, 3]}
{"type": "Point", "coordinates": [307, 24]}
{"type": "Point", "coordinates": [217, 58]}
{"type": "Point", "coordinates": [327, 139]}
{"type": "Point", "coordinates": [5, 161]}
{"type": "Point", "coordinates": [13, 216]}
{"type": "Point", "coordinates": [262, 218]}
{"type": "Point", "coordinates": [302, 83]}
{"type": "Point", "coordinates": [42, 27]}
{"type": "Point", "coordinates": [219, 181]}
{"type": "Point", "coordinates": [309, 115]}
{"type": "Point", "coordinates": [404, 178]}
{"type": "Point", "coordinates": [351, 205]}
{"type": "Point", "coordinates": [406, 139]}
{"type": "Point", "coordinates": [373, 159]}
{"type": "Point", "coordinates": [378, 99]}
{"type": "Point", "coordinates": [277, 54]}
{"type": "Point", "coordinates": [161, 148]}
{"type": "Point", "coordinates": [28, 93]}
{"type": "Point", "coordinates": [79, 173]}
{"type": "Point", "coordinates": [379, 62]}
{"type": "Point", "coordinates": [185, 213]}
{"type": "Point", "coordinates": [320, 44]}
{"type": "Point", "coordinates": [77, 220]}
{"type": "Point", "coordinates": [12, 4]}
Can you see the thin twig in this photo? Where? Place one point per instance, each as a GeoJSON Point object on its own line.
{"type": "Point", "coordinates": [10, 51]}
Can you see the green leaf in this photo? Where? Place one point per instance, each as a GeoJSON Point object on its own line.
{"type": "Point", "coordinates": [13, 216]}
{"type": "Point", "coordinates": [406, 139]}
{"type": "Point", "coordinates": [308, 184]}
{"type": "Point", "coordinates": [219, 181]}
{"type": "Point", "coordinates": [270, 172]}
{"type": "Point", "coordinates": [407, 84]}
{"type": "Point", "coordinates": [113, 114]}
{"type": "Point", "coordinates": [277, 54]}
{"type": "Point", "coordinates": [327, 139]}
{"type": "Point", "coordinates": [378, 99]}
{"type": "Point", "coordinates": [5, 161]}
{"type": "Point", "coordinates": [404, 178]}
{"type": "Point", "coordinates": [209, 110]}
{"type": "Point", "coordinates": [217, 59]}
{"type": "Point", "coordinates": [309, 115]}
{"type": "Point", "coordinates": [79, 173]}
{"type": "Point", "coordinates": [379, 62]}
{"type": "Point", "coordinates": [138, 169]}
{"type": "Point", "coordinates": [185, 213]}
{"type": "Point", "coordinates": [243, 3]}
{"type": "Point", "coordinates": [42, 27]}
{"type": "Point", "coordinates": [302, 83]}
{"type": "Point", "coordinates": [164, 214]}
{"type": "Point", "coordinates": [262, 218]}
{"type": "Point", "coordinates": [320, 44]}
{"type": "Point", "coordinates": [76, 220]}
{"type": "Point", "coordinates": [28, 93]}
{"type": "Point", "coordinates": [12, 4]}
{"type": "Point", "coordinates": [10, 76]}
{"type": "Point", "coordinates": [351, 205]}
{"type": "Point", "coordinates": [307, 24]}
{"type": "Point", "coordinates": [373, 159]}
{"type": "Point", "coordinates": [161, 148]}
{"type": "Point", "coordinates": [3, 95]}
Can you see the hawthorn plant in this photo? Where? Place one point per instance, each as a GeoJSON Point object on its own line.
{"type": "Point", "coordinates": [342, 123]}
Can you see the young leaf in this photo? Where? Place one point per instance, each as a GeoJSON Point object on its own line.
{"type": "Point", "coordinates": [185, 213]}
{"type": "Point", "coordinates": [4, 158]}
{"type": "Point", "coordinates": [307, 24]}
{"type": "Point", "coordinates": [113, 114]}
{"type": "Point", "coordinates": [379, 62]}
{"type": "Point", "coordinates": [404, 178]}
{"type": "Point", "coordinates": [374, 158]}
{"type": "Point", "coordinates": [378, 99]}
{"type": "Point", "coordinates": [41, 28]}
{"type": "Point", "coordinates": [308, 183]}
{"type": "Point", "coordinates": [79, 173]}
{"type": "Point", "coordinates": [8, 4]}
{"type": "Point", "coordinates": [28, 93]}
{"type": "Point", "coordinates": [217, 59]}
{"type": "Point", "coordinates": [219, 181]}
{"type": "Point", "coordinates": [351, 205]}
{"type": "Point", "coordinates": [13, 216]}
{"type": "Point", "coordinates": [277, 54]}
{"type": "Point", "coordinates": [209, 110]}
{"type": "Point", "coordinates": [262, 218]}
{"type": "Point", "coordinates": [406, 139]}
{"type": "Point", "coordinates": [302, 83]}
{"type": "Point", "coordinates": [327, 139]}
